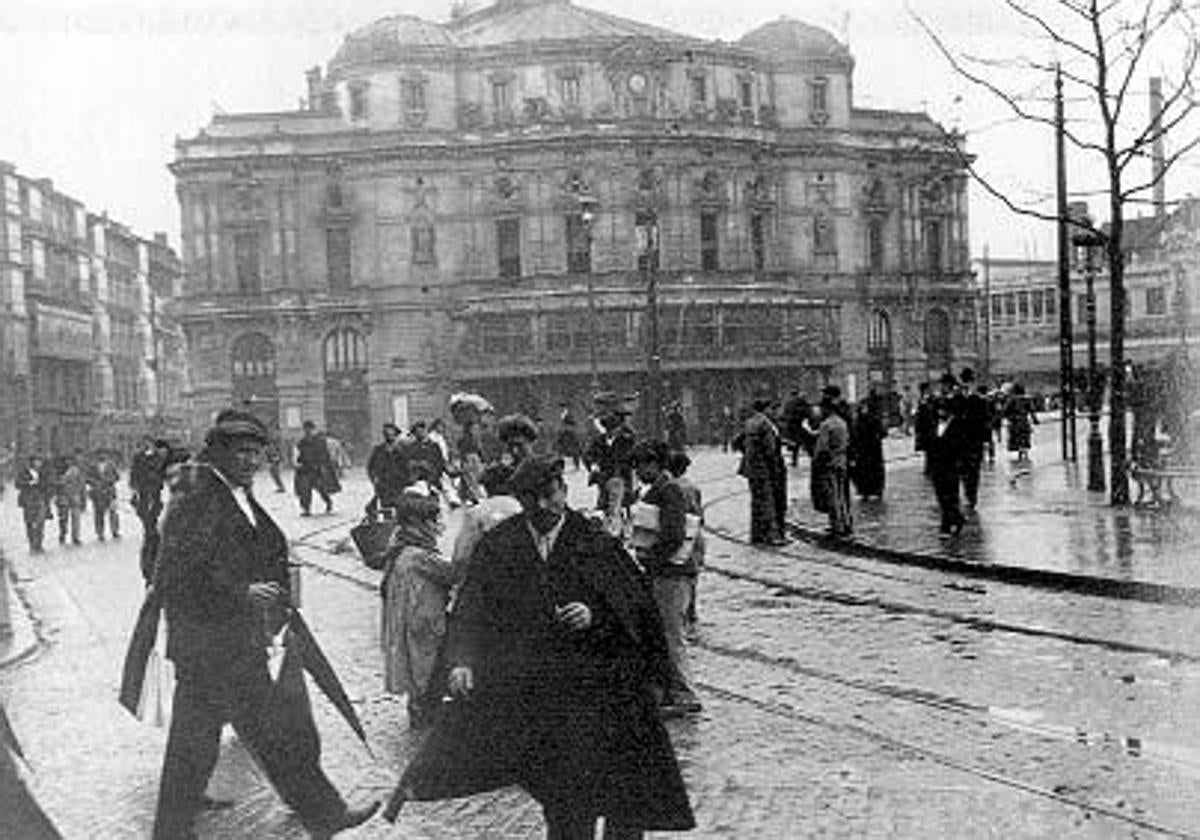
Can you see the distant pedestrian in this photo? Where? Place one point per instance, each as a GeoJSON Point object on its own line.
{"type": "Point", "coordinates": [945, 452]}
{"type": "Point", "coordinates": [867, 433]}
{"type": "Point", "coordinates": [314, 470]}
{"type": "Point", "coordinates": [516, 435]}
{"type": "Point", "coordinates": [1021, 418]}
{"type": "Point", "coordinates": [387, 468]}
{"type": "Point", "coordinates": [924, 424]}
{"type": "Point", "coordinates": [569, 445]}
{"type": "Point", "coordinates": [102, 478]}
{"type": "Point", "coordinates": [974, 412]}
{"type": "Point", "coordinates": [426, 461]}
{"type": "Point", "coordinates": [678, 464]}
{"type": "Point", "coordinates": [830, 478]}
{"type": "Point", "coordinates": [147, 472]}
{"type": "Point", "coordinates": [34, 491]}
{"type": "Point", "coordinates": [795, 411]}
{"type": "Point", "coordinates": [274, 458]}
{"type": "Point", "coordinates": [765, 471]}
{"type": "Point", "coordinates": [667, 559]}
{"type": "Point", "coordinates": [676, 426]}
{"type": "Point", "coordinates": [728, 427]}
{"type": "Point", "coordinates": [71, 499]}
{"type": "Point", "coordinates": [607, 457]}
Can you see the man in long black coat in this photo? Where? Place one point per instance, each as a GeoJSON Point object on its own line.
{"type": "Point", "coordinates": [554, 649]}
{"type": "Point", "coordinates": [765, 471]}
{"type": "Point", "coordinates": [222, 581]}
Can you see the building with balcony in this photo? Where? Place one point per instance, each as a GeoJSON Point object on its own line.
{"type": "Point", "coordinates": [533, 199]}
{"type": "Point", "coordinates": [76, 325]}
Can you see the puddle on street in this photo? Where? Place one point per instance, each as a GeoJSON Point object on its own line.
{"type": "Point", "coordinates": [1185, 759]}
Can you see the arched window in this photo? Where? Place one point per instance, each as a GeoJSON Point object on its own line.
{"type": "Point", "coordinates": [345, 350]}
{"type": "Point", "coordinates": [253, 357]}
{"type": "Point", "coordinates": [937, 337]}
{"type": "Point", "coordinates": [879, 332]}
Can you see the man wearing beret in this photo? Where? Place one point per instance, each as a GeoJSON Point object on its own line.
{"type": "Point", "coordinates": [222, 581]}
{"type": "Point", "coordinates": [555, 649]}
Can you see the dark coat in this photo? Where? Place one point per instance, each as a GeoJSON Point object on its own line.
{"type": "Point", "coordinates": [208, 557]}
{"type": "Point", "coordinates": [762, 456]}
{"type": "Point", "coordinates": [389, 471]}
{"type": "Point", "coordinates": [569, 716]}
{"type": "Point", "coordinates": [31, 492]}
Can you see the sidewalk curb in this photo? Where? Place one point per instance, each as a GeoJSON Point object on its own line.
{"type": "Point", "coordinates": [23, 642]}
{"type": "Point", "coordinates": [1100, 587]}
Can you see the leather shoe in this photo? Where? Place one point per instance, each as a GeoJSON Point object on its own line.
{"type": "Point", "coordinates": [350, 818]}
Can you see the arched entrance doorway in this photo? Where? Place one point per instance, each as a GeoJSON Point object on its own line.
{"type": "Point", "coordinates": [252, 374]}
{"type": "Point", "coordinates": [937, 341]}
{"type": "Point", "coordinates": [347, 408]}
{"type": "Point", "coordinates": [880, 358]}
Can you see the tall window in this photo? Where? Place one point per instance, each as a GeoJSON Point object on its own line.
{"type": "Point", "coordinates": [1050, 297]}
{"type": "Point", "coordinates": [358, 102]}
{"type": "Point", "coordinates": [933, 244]}
{"type": "Point", "coordinates": [501, 98]}
{"type": "Point", "coordinates": [1035, 305]}
{"type": "Point", "coordinates": [818, 100]}
{"type": "Point", "coordinates": [345, 350]}
{"type": "Point", "coordinates": [746, 93]}
{"type": "Point", "coordinates": [569, 88]}
{"type": "Point", "coordinates": [247, 263]}
{"type": "Point", "coordinates": [508, 247]}
{"type": "Point", "coordinates": [824, 241]}
{"type": "Point", "coordinates": [1023, 307]}
{"type": "Point", "coordinates": [645, 223]}
{"type": "Point", "coordinates": [699, 91]}
{"type": "Point", "coordinates": [1156, 300]}
{"type": "Point", "coordinates": [879, 333]}
{"type": "Point", "coordinates": [579, 245]}
{"type": "Point", "coordinates": [710, 255]}
{"type": "Point", "coordinates": [875, 245]}
{"type": "Point", "coordinates": [758, 241]}
{"type": "Point", "coordinates": [412, 95]}
{"type": "Point", "coordinates": [337, 257]}
{"type": "Point", "coordinates": [424, 246]}
{"type": "Point", "coordinates": [997, 309]}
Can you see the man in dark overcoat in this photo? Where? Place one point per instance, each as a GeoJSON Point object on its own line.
{"type": "Point", "coordinates": [975, 415]}
{"type": "Point", "coordinates": [947, 444]}
{"type": "Point", "coordinates": [388, 470]}
{"type": "Point", "coordinates": [222, 581]}
{"type": "Point", "coordinates": [765, 471]}
{"type": "Point", "coordinates": [554, 650]}
{"type": "Point", "coordinates": [314, 469]}
{"type": "Point", "coordinates": [34, 491]}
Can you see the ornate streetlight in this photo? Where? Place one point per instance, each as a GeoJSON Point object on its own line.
{"type": "Point", "coordinates": [587, 215]}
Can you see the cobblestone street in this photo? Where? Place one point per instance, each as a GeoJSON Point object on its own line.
{"type": "Point", "coordinates": [844, 697]}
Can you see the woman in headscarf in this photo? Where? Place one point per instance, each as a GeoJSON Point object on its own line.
{"type": "Point", "coordinates": [416, 591]}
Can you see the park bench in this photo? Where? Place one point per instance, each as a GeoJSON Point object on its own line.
{"type": "Point", "coordinates": [1159, 480]}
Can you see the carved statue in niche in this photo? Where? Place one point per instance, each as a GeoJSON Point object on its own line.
{"type": "Point", "coordinates": [710, 186]}
{"type": "Point", "coordinates": [334, 193]}
{"type": "Point", "coordinates": [506, 187]}
{"type": "Point", "coordinates": [875, 194]}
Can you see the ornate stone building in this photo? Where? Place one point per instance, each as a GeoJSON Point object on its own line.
{"type": "Point", "coordinates": [532, 199]}
{"type": "Point", "coordinates": [89, 356]}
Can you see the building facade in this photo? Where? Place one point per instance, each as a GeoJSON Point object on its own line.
{"type": "Point", "coordinates": [77, 326]}
{"type": "Point", "coordinates": [535, 200]}
{"type": "Point", "coordinates": [1162, 292]}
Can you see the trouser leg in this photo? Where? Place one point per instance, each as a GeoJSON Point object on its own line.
{"type": "Point", "coordinates": [99, 515]}
{"type": "Point", "coordinates": [114, 520]}
{"type": "Point", "coordinates": [194, 742]}
{"type": "Point", "coordinates": [76, 515]}
{"type": "Point", "coordinates": [149, 553]}
{"type": "Point", "coordinates": [35, 525]}
{"type": "Point", "coordinates": [278, 728]}
{"type": "Point", "coordinates": [614, 830]}
{"type": "Point", "coordinates": [971, 465]}
{"type": "Point", "coordinates": [671, 595]}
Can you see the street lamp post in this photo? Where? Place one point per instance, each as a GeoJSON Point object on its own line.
{"type": "Point", "coordinates": [649, 242]}
{"type": "Point", "coordinates": [587, 215]}
{"type": "Point", "coordinates": [1095, 446]}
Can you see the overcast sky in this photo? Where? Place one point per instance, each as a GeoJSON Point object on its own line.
{"type": "Point", "coordinates": [96, 92]}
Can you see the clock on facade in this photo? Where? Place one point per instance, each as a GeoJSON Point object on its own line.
{"type": "Point", "coordinates": [637, 83]}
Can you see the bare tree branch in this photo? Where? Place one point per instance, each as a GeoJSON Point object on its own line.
{"type": "Point", "coordinates": [1053, 34]}
{"type": "Point", "coordinates": [1168, 163]}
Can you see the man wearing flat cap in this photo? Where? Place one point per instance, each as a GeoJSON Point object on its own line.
{"type": "Point", "coordinates": [222, 582]}
{"type": "Point", "coordinates": [555, 649]}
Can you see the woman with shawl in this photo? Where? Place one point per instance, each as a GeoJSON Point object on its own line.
{"type": "Point", "coordinates": [416, 590]}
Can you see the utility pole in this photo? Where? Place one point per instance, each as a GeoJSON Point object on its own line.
{"type": "Point", "coordinates": [1095, 445]}
{"type": "Point", "coordinates": [1066, 361]}
{"type": "Point", "coordinates": [648, 240]}
{"type": "Point", "coordinates": [587, 216]}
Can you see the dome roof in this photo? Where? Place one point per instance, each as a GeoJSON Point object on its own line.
{"type": "Point", "coordinates": [390, 38]}
{"type": "Point", "coordinates": [788, 38]}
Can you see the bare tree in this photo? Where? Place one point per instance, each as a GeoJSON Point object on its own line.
{"type": "Point", "coordinates": [1102, 48]}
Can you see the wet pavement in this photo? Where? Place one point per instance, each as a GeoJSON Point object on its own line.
{"type": "Point", "coordinates": [844, 697]}
{"type": "Point", "coordinates": [1041, 524]}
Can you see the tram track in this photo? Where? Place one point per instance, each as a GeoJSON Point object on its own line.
{"type": "Point", "coordinates": [935, 703]}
